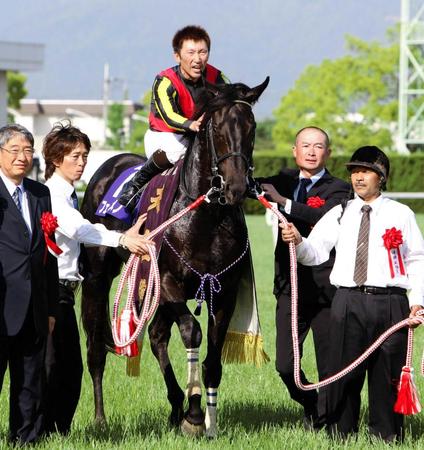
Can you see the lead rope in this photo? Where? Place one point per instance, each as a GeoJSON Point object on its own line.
{"type": "Point", "coordinates": [123, 331]}
{"type": "Point", "coordinates": [294, 324]}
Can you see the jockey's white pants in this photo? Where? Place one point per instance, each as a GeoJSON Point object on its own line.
{"type": "Point", "coordinates": [173, 144]}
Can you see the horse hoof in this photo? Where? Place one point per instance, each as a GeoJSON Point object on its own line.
{"type": "Point", "coordinates": [191, 429]}
{"type": "Point", "coordinates": [100, 422]}
{"type": "Point", "coordinates": [176, 417]}
{"type": "Point", "coordinates": [211, 433]}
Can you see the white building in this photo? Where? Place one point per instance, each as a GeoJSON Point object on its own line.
{"type": "Point", "coordinates": [38, 116]}
{"type": "Point", "coordinates": [16, 56]}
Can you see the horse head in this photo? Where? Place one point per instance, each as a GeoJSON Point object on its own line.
{"type": "Point", "coordinates": [228, 133]}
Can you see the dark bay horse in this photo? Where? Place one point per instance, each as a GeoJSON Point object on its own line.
{"type": "Point", "coordinates": [209, 239]}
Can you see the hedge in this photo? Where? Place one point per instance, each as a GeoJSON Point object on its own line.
{"type": "Point", "coordinates": [406, 174]}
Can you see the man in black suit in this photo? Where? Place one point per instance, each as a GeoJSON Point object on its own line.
{"type": "Point", "coordinates": [28, 284]}
{"type": "Point", "coordinates": [304, 195]}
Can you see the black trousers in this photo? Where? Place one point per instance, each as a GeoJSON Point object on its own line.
{"type": "Point", "coordinates": [357, 319]}
{"type": "Point", "coordinates": [63, 366]}
{"type": "Point", "coordinates": [314, 313]}
{"type": "Point", "coordinates": [24, 353]}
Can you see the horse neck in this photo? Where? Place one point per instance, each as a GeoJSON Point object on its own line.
{"type": "Point", "coordinates": [198, 167]}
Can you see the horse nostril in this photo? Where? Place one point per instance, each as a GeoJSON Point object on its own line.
{"type": "Point", "coordinates": [235, 193]}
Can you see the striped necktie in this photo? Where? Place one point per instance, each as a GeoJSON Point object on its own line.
{"type": "Point", "coordinates": [361, 262]}
{"type": "Point", "coordinates": [17, 198]}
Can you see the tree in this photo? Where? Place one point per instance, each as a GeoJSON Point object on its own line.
{"type": "Point", "coordinates": [354, 98]}
{"type": "Point", "coordinates": [16, 90]}
{"type": "Point", "coordinates": [263, 135]}
{"type": "Point", "coordinates": [115, 124]}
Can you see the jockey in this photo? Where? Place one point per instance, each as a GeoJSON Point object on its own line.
{"type": "Point", "coordinates": [174, 95]}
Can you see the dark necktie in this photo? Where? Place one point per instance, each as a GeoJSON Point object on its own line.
{"type": "Point", "coordinates": [17, 198]}
{"type": "Point", "coordinates": [82, 255]}
{"type": "Point", "coordinates": [361, 262]}
{"type": "Point", "coordinates": [301, 194]}
{"type": "Point", "coordinates": [74, 198]}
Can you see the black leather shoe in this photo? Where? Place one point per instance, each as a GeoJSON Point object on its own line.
{"type": "Point", "coordinates": [130, 196]}
{"type": "Point", "coordinates": [311, 420]}
{"type": "Point", "coordinates": [131, 192]}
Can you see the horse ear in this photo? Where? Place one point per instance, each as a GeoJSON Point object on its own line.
{"type": "Point", "coordinates": [212, 88]}
{"type": "Point", "coordinates": [254, 93]}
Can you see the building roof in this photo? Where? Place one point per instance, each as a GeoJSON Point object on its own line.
{"type": "Point", "coordinates": [21, 56]}
{"type": "Point", "coordinates": [93, 108]}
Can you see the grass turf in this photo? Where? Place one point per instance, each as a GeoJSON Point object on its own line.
{"type": "Point", "coordinates": [254, 409]}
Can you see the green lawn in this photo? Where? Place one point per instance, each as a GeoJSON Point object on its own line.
{"type": "Point", "coordinates": [255, 411]}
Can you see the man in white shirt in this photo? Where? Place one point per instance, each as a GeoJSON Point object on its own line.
{"type": "Point", "coordinates": [65, 151]}
{"type": "Point", "coordinates": [379, 256]}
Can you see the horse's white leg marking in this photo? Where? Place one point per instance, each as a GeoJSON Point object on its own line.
{"type": "Point", "coordinates": [193, 377]}
{"type": "Point", "coordinates": [210, 419]}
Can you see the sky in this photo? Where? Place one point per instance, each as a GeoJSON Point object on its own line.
{"type": "Point", "coordinates": [250, 40]}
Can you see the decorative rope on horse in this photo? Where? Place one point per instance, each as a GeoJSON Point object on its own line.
{"type": "Point", "coordinates": [407, 402]}
{"type": "Point", "coordinates": [214, 284]}
{"type": "Point", "coordinates": [127, 327]}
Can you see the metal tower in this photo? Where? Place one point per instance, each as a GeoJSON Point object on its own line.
{"type": "Point", "coordinates": [411, 77]}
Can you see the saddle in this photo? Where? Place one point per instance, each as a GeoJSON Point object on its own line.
{"type": "Point", "coordinates": [156, 199]}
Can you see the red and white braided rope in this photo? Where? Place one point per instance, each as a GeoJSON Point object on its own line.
{"type": "Point", "coordinates": [294, 324]}
{"type": "Point", "coordinates": [130, 276]}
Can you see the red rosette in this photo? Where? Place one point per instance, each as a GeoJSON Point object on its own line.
{"type": "Point", "coordinates": [315, 202]}
{"type": "Point", "coordinates": [49, 225]}
{"type": "Point", "coordinates": [392, 240]}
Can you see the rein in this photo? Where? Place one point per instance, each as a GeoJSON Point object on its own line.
{"type": "Point", "coordinates": [217, 180]}
{"type": "Point", "coordinates": [294, 324]}
{"type": "Point", "coordinates": [218, 160]}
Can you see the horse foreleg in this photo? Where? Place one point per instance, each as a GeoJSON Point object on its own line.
{"type": "Point", "coordinates": [194, 418]}
{"type": "Point", "coordinates": [210, 417]}
{"type": "Point", "coordinates": [160, 333]}
{"type": "Point", "coordinates": [212, 368]}
{"type": "Point", "coordinates": [193, 374]}
{"type": "Point", "coordinates": [212, 374]}
{"type": "Point", "coordinates": [191, 335]}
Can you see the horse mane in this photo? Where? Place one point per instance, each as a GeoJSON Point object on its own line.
{"type": "Point", "coordinates": [214, 97]}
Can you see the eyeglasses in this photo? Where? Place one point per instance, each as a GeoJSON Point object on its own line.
{"type": "Point", "coordinates": [15, 151]}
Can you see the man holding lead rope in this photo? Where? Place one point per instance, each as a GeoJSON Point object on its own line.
{"type": "Point", "coordinates": [304, 195]}
{"type": "Point", "coordinates": [379, 256]}
{"type": "Point", "coordinates": [65, 151]}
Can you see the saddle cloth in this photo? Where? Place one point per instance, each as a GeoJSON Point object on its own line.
{"type": "Point", "coordinates": [243, 343]}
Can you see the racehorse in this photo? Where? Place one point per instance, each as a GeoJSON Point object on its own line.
{"type": "Point", "coordinates": [208, 239]}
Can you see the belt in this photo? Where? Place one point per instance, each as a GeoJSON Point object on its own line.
{"type": "Point", "coordinates": [377, 290]}
{"type": "Point", "coordinates": [70, 284]}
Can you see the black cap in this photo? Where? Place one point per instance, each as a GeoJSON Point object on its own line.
{"type": "Point", "coordinates": [371, 157]}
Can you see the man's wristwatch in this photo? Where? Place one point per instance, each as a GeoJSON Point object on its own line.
{"type": "Point", "coordinates": [121, 242]}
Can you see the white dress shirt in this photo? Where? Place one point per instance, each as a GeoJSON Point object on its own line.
{"type": "Point", "coordinates": [11, 188]}
{"type": "Point", "coordinates": [314, 179]}
{"type": "Point", "coordinates": [73, 229]}
{"type": "Point", "coordinates": [385, 214]}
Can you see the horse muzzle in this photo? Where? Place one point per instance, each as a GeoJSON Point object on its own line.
{"type": "Point", "coordinates": [235, 192]}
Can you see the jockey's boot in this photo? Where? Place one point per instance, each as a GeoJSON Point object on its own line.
{"type": "Point", "coordinates": [131, 192]}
